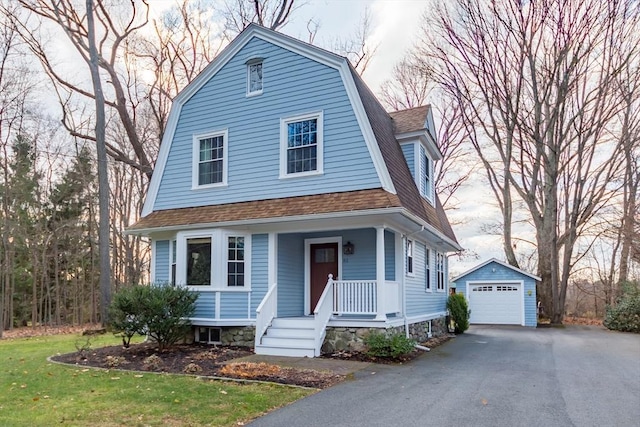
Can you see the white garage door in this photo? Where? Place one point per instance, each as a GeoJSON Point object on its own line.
{"type": "Point", "coordinates": [499, 303]}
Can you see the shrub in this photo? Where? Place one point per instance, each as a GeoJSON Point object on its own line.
{"type": "Point", "coordinates": [388, 345]}
{"type": "Point", "coordinates": [161, 312]}
{"type": "Point", "coordinates": [459, 311]}
{"type": "Point", "coordinates": [625, 315]}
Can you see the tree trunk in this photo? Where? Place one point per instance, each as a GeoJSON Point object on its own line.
{"type": "Point", "coordinates": [103, 178]}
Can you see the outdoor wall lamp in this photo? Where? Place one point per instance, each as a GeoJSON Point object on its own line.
{"type": "Point", "coordinates": [348, 248]}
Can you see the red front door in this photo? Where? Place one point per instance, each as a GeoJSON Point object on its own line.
{"type": "Point", "coordinates": [324, 261]}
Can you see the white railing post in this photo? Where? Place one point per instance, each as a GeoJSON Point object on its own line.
{"type": "Point", "coordinates": [266, 312]}
{"type": "Point", "coordinates": [322, 314]}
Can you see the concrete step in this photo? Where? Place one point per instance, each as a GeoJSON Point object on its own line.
{"type": "Point", "coordinates": [293, 322]}
{"type": "Point", "coordinates": [288, 342]}
{"type": "Point", "coordinates": [279, 351]}
{"type": "Point", "coordinates": [290, 332]}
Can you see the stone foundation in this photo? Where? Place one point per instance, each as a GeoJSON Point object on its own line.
{"type": "Point", "coordinates": [352, 339]}
{"type": "Point", "coordinates": [338, 338]}
{"type": "Point", "coordinates": [243, 336]}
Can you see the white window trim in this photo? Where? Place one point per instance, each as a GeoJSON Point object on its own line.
{"type": "Point", "coordinates": [247, 259]}
{"type": "Point", "coordinates": [251, 62]}
{"type": "Point", "coordinates": [196, 159]}
{"type": "Point", "coordinates": [428, 270]}
{"type": "Point", "coordinates": [219, 259]}
{"type": "Point", "coordinates": [411, 273]}
{"type": "Point", "coordinates": [319, 145]}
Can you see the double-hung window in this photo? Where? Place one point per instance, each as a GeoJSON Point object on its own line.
{"type": "Point", "coordinates": [210, 159]}
{"type": "Point", "coordinates": [426, 174]}
{"type": "Point", "coordinates": [427, 269]}
{"type": "Point", "coordinates": [254, 77]}
{"type": "Point", "coordinates": [301, 145]}
{"type": "Point", "coordinates": [410, 257]}
{"type": "Point", "coordinates": [235, 261]}
{"type": "Point", "coordinates": [440, 270]}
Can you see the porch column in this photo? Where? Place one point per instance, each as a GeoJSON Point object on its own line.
{"type": "Point", "coordinates": [380, 273]}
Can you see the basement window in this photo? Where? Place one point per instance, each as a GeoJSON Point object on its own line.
{"type": "Point", "coordinates": [208, 335]}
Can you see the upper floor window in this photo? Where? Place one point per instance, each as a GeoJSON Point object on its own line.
{"type": "Point", "coordinates": [254, 77]}
{"type": "Point", "coordinates": [426, 175]}
{"type": "Point", "coordinates": [301, 145]}
{"type": "Point", "coordinates": [440, 271]}
{"type": "Point", "coordinates": [210, 160]}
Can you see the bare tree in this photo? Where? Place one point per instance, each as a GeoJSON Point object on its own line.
{"type": "Point", "coordinates": [409, 86]}
{"type": "Point", "coordinates": [103, 178]}
{"type": "Point", "coordinates": [535, 82]}
{"type": "Point", "coordinates": [273, 14]}
{"type": "Point", "coordinates": [114, 30]}
{"type": "Point", "coordinates": [357, 48]}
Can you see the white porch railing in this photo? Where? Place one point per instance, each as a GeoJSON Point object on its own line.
{"type": "Point", "coordinates": [266, 312]}
{"type": "Point", "coordinates": [360, 297]}
{"type": "Point", "coordinates": [322, 314]}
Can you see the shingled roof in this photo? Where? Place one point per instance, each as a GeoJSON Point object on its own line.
{"type": "Point", "coordinates": [410, 120]}
{"type": "Point", "coordinates": [361, 200]}
{"type": "Point", "coordinates": [384, 130]}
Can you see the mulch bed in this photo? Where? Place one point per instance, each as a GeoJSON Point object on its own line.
{"type": "Point", "coordinates": [196, 359]}
{"type": "Point", "coordinates": [209, 361]}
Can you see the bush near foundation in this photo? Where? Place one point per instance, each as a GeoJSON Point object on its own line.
{"type": "Point", "coordinates": [459, 311]}
{"type": "Point", "coordinates": [161, 312]}
{"type": "Point", "coordinates": [625, 315]}
{"type": "Point", "coordinates": [388, 346]}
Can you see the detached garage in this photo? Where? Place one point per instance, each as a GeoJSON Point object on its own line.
{"type": "Point", "coordinates": [499, 294]}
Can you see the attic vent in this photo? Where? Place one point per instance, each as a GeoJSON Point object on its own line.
{"type": "Point", "coordinates": [208, 335]}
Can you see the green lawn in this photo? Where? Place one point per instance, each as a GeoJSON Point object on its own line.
{"type": "Point", "coordinates": [35, 392]}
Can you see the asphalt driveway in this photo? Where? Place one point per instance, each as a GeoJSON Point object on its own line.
{"type": "Point", "coordinates": [490, 376]}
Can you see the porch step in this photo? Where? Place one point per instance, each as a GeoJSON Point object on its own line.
{"type": "Point", "coordinates": [278, 351]}
{"type": "Point", "coordinates": [292, 337]}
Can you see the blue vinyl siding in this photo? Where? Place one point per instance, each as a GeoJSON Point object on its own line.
{"type": "Point", "coordinates": [293, 85]}
{"type": "Point", "coordinates": [205, 305]}
{"type": "Point", "coordinates": [234, 305]}
{"type": "Point", "coordinates": [409, 154]}
{"type": "Point", "coordinates": [162, 261]}
{"type": "Point", "coordinates": [259, 269]}
{"type": "Point", "coordinates": [504, 275]}
{"type": "Point", "coordinates": [390, 256]}
{"type": "Point", "coordinates": [419, 301]}
{"type": "Point", "coordinates": [290, 275]}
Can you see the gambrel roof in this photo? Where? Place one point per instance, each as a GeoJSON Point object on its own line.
{"type": "Point", "coordinates": [398, 189]}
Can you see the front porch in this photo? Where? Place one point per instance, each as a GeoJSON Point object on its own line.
{"type": "Point", "coordinates": [293, 316]}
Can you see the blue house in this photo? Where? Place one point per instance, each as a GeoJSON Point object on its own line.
{"type": "Point", "coordinates": [300, 211]}
{"type": "Point", "coordinates": [499, 293]}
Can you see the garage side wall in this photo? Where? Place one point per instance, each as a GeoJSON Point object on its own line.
{"type": "Point", "coordinates": [494, 272]}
